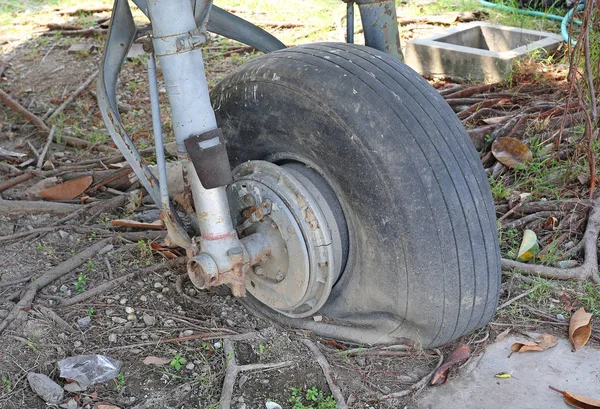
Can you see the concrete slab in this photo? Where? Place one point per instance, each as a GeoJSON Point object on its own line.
{"type": "Point", "coordinates": [478, 388]}
{"type": "Point", "coordinates": [477, 51]}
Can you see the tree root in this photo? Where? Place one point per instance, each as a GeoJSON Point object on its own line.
{"type": "Point", "coordinates": [50, 276]}
{"type": "Point", "coordinates": [589, 268]}
{"type": "Point", "coordinates": [233, 369]}
{"type": "Point", "coordinates": [322, 361]}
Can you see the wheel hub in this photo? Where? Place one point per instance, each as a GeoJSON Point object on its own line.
{"type": "Point", "coordinates": [306, 257]}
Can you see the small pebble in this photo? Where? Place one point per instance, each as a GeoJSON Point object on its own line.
{"type": "Point", "coordinates": [84, 322]}
{"type": "Point", "coordinates": [272, 405]}
{"type": "Point", "coordinates": [112, 338]}
{"type": "Point", "coordinates": [63, 288]}
{"type": "Point", "coordinates": [165, 290]}
{"type": "Point", "coordinates": [217, 345]}
{"type": "Point", "coordinates": [149, 320]}
{"type": "Point", "coordinates": [123, 301]}
{"type": "Point", "coordinates": [131, 317]}
{"type": "Point", "coordinates": [158, 285]}
{"type": "Point", "coordinates": [187, 333]}
{"type": "Point", "coordinates": [119, 320]}
{"type": "Point", "coordinates": [190, 366]}
{"type": "Point", "coordinates": [77, 344]}
{"type": "Point", "coordinates": [560, 317]}
{"type": "Point", "coordinates": [159, 296]}
{"type": "Point", "coordinates": [169, 323]}
{"type": "Point", "coordinates": [129, 310]}
{"type": "Point", "coordinates": [143, 298]}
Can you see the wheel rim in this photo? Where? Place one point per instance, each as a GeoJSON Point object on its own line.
{"type": "Point", "coordinates": [307, 254]}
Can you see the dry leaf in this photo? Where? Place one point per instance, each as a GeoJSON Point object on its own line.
{"type": "Point", "coordinates": [525, 346]}
{"type": "Point", "coordinates": [33, 192]}
{"type": "Point", "coordinates": [578, 401]}
{"type": "Point", "coordinates": [503, 334]}
{"type": "Point", "coordinates": [168, 253]}
{"type": "Point", "coordinates": [551, 223]}
{"type": "Point", "coordinates": [460, 354]}
{"type": "Point", "coordinates": [566, 302]}
{"type": "Point", "coordinates": [541, 343]}
{"type": "Point", "coordinates": [503, 375]}
{"type": "Point", "coordinates": [580, 328]}
{"type": "Point", "coordinates": [105, 406]}
{"type": "Point", "coordinates": [511, 152]}
{"type": "Point", "coordinates": [154, 360]}
{"type": "Point", "coordinates": [496, 120]}
{"type": "Point", "coordinates": [546, 341]}
{"type": "Point", "coordinates": [157, 225]}
{"type": "Point", "coordinates": [68, 190]}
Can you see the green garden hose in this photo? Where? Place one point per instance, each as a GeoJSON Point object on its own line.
{"type": "Point", "coordinates": [564, 20]}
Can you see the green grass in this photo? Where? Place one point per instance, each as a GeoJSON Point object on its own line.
{"type": "Point", "coordinates": [311, 399]}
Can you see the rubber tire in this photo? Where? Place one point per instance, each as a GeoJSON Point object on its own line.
{"type": "Point", "coordinates": [424, 261]}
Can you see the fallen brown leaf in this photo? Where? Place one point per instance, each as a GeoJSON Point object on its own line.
{"type": "Point", "coordinates": [496, 120]}
{"type": "Point", "coordinates": [461, 353]}
{"type": "Point", "coordinates": [503, 334]}
{"type": "Point", "coordinates": [511, 152]}
{"type": "Point", "coordinates": [541, 343]}
{"type": "Point", "coordinates": [168, 253]}
{"type": "Point", "coordinates": [67, 190]}
{"type": "Point", "coordinates": [580, 328]}
{"type": "Point", "coordinates": [568, 304]}
{"type": "Point", "coordinates": [155, 360]}
{"type": "Point", "coordinates": [578, 401]}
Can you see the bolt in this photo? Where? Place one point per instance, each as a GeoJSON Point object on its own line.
{"type": "Point", "coordinates": [279, 276]}
{"type": "Point", "coordinates": [259, 271]}
{"type": "Point", "coordinates": [248, 200]}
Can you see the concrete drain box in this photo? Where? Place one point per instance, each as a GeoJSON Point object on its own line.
{"type": "Point", "coordinates": [477, 51]}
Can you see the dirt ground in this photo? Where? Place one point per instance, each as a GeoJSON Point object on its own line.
{"type": "Point", "coordinates": [152, 314]}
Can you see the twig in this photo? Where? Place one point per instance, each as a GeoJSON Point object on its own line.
{"type": "Point", "coordinates": [118, 281]}
{"type": "Point", "coordinates": [48, 277]}
{"type": "Point", "coordinates": [465, 93]}
{"type": "Point", "coordinates": [17, 281]}
{"type": "Point", "coordinates": [589, 268]}
{"type": "Point", "coordinates": [526, 219]}
{"type": "Point", "coordinates": [74, 95]}
{"type": "Point", "coordinates": [417, 385]}
{"type": "Point", "coordinates": [40, 161]}
{"type": "Point", "coordinates": [233, 369]}
{"type": "Point", "coordinates": [205, 336]}
{"type": "Point", "coordinates": [322, 361]}
{"type": "Point", "coordinates": [56, 319]}
{"type": "Point", "coordinates": [15, 106]}
{"type": "Point", "coordinates": [24, 207]}
{"type": "Point", "coordinates": [15, 181]}
{"type": "Point", "coordinates": [518, 297]}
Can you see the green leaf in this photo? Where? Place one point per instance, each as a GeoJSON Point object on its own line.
{"type": "Point", "coordinates": [529, 246]}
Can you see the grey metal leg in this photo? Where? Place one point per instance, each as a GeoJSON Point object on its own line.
{"type": "Point", "coordinates": [380, 25]}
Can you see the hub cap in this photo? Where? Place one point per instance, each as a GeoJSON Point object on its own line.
{"type": "Point", "coordinates": [306, 257]}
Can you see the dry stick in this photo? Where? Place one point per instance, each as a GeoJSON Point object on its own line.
{"type": "Point", "coordinates": [16, 236]}
{"type": "Point", "coordinates": [465, 93]}
{"type": "Point", "coordinates": [204, 336]}
{"type": "Point", "coordinates": [40, 161]}
{"type": "Point", "coordinates": [550, 205]}
{"type": "Point", "coordinates": [15, 106]}
{"type": "Point", "coordinates": [477, 106]}
{"type": "Point", "coordinates": [518, 297]}
{"type": "Point", "coordinates": [56, 319]}
{"type": "Point", "coordinates": [589, 268]}
{"type": "Point", "coordinates": [24, 207]}
{"type": "Point", "coordinates": [529, 218]}
{"type": "Point", "coordinates": [15, 181]}
{"type": "Point", "coordinates": [74, 95]}
{"type": "Point", "coordinates": [17, 281]}
{"type": "Point", "coordinates": [50, 276]}
{"type": "Point", "coordinates": [417, 385]}
{"type": "Point", "coordinates": [233, 369]}
{"type": "Point", "coordinates": [118, 281]}
{"type": "Point", "coordinates": [322, 361]}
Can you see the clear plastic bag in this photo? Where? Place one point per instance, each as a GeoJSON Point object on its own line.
{"type": "Point", "coordinates": [89, 369]}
